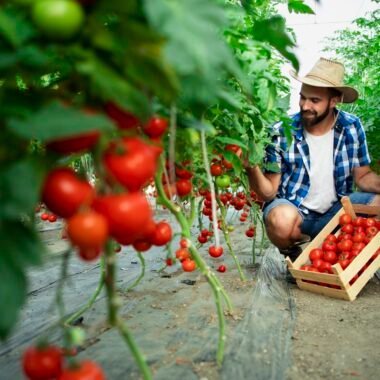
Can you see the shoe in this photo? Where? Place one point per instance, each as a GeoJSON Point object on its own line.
{"type": "Point", "coordinates": [292, 252]}
{"type": "Point", "coordinates": [303, 239]}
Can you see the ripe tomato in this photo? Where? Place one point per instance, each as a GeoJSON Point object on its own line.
{"type": "Point", "coordinates": [345, 219]}
{"type": "Point", "coordinates": [182, 254]}
{"type": "Point", "coordinates": [359, 237]}
{"type": "Point", "coordinates": [52, 218]}
{"type": "Point", "coordinates": [330, 257]}
{"type": "Point", "coordinates": [315, 254]}
{"type": "Point", "coordinates": [162, 234]}
{"type": "Point", "coordinates": [318, 263]}
{"type": "Point", "coordinates": [325, 267]}
{"type": "Point", "coordinates": [132, 163]}
{"type": "Point", "coordinates": [215, 251]}
{"type": "Point", "coordinates": [128, 215]}
{"type": "Point", "coordinates": [87, 370]}
{"type": "Point", "coordinates": [44, 216]}
{"type": "Point", "coordinates": [359, 222]}
{"type": "Point", "coordinates": [250, 233]}
{"type": "Point", "coordinates": [202, 239]}
{"type": "Point", "coordinates": [329, 246]}
{"type": "Point", "coordinates": [371, 231]}
{"type": "Point", "coordinates": [221, 268]}
{"type": "Point", "coordinates": [344, 263]}
{"type": "Point", "coordinates": [223, 181]}
{"type": "Point", "coordinates": [74, 144]}
{"type": "Point", "coordinates": [141, 245]}
{"type": "Point", "coordinates": [370, 222]}
{"type": "Point", "coordinates": [58, 19]}
{"type": "Point", "coordinates": [124, 119]}
{"type": "Point", "coordinates": [169, 261]}
{"type": "Point", "coordinates": [183, 243]}
{"type": "Point", "coordinates": [345, 245]}
{"type": "Point", "coordinates": [89, 254]}
{"type": "Point", "coordinates": [227, 164]}
{"type": "Point", "coordinates": [331, 237]}
{"type": "Point", "coordinates": [87, 230]}
{"type": "Point", "coordinates": [183, 187]}
{"type": "Point", "coordinates": [189, 265]}
{"type": "Point", "coordinates": [64, 193]}
{"type": "Point", "coordinates": [42, 363]}
{"type": "Point", "coordinates": [183, 173]}
{"type": "Point", "coordinates": [155, 127]}
{"type": "Point", "coordinates": [216, 170]}
{"type": "Point", "coordinates": [348, 228]}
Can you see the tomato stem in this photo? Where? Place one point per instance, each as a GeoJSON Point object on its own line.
{"type": "Point", "coordinates": [93, 298]}
{"type": "Point", "coordinates": [142, 273]}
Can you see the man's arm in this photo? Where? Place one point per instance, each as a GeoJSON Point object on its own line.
{"type": "Point", "coordinates": [264, 185]}
{"type": "Point", "coordinates": [366, 179]}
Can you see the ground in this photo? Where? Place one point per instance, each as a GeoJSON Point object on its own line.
{"type": "Point", "coordinates": [276, 331]}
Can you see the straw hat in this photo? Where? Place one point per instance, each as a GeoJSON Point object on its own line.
{"type": "Point", "coordinates": [328, 73]}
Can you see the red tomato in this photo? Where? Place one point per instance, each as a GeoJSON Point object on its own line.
{"type": "Point", "coordinates": [162, 234]}
{"type": "Point", "coordinates": [227, 164]}
{"type": "Point", "coordinates": [345, 219]}
{"type": "Point", "coordinates": [202, 239]}
{"type": "Point", "coordinates": [141, 245]}
{"type": "Point", "coordinates": [123, 119]}
{"type": "Point", "coordinates": [156, 126]}
{"type": "Point", "coordinates": [182, 254]}
{"type": "Point", "coordinates": [370, 222]}
{"type": "Point", "coordinates": [331, 237]}
{"type": "Point", "coordinates": [89, 254]}
{"type": "Point", "coordinates": [221, 268]}
{"type": "Point", "coordinates": [169, 261]}
{"type": "Point", "coordinates": [189, 265]}
{"type": "Point", "coordinates": [64, 193]}
{"type": "Point", "coordinates": [183, 243]}
{"type": "Point", "coordinates": [52, 218]}
{"type": "Point", "coordinates": [329, 246]}
{"type": "Point", "coordinates": [318, 263]}
{"type": "Point", "coordinates": [250, 233]}
{"type": "Point", "coordinates": [87, 370]}
{"type": "Point", "coordinates": [132, 163]}
{"type": "Point", "coordinates": [42, 363]}
{"type": "Point", "coordinates": [359, 237]}
{"type": "Point", "coordinates": [325, 267]}
{"type": "Point", "coordinates": [371, 231]}
{"type": "Point", "coordinates": [344, 263]}
{"type": "Point", "coordinates": [215, 251]}
{"type": "Point", "coordinates": [87, 230]}
{"type": "Point", "coordinates": [183, 173]}
{"type": "Point", "coordinates": [345, 245]}
{"type": "Point", "coordinates": [183, 187]}
{"type": "Point", "coordinates": [74, 144]}
{"type": "Point", "coordinates": [348, 228]}
{"type": "Point", "coordinates": [44, 216]}
{"type": "Point", "coordinates": [330, 257]}
{"type": "Point", "coordinates": [128, 215]}
{"type": "Point", "coordinates": [305, 267]}
{"type": "Point", "coordinates": [359, 222]}
{"type": "Point", "coordinates": [216, 170]}
{"type": "Point", "coordinates": [315, 254]}
{"type": "Point", "coordinates": [204, 232]}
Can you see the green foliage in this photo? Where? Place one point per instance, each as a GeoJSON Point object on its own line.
{"type": "Point", "coordinates": [358, 49]}
{"type": "Point", "coordinates": [298, 6]}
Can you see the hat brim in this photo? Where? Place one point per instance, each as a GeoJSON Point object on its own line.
{"type": "Point", "coordinates": [349, 93]}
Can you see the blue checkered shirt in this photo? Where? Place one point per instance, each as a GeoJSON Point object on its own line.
{"type": "Point", "coordinates": [350, 151]}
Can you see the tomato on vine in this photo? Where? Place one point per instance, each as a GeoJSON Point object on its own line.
{"type": "Point", "coordinates": [189, 265]}
{"type": "Point", "coordinates": [155, 127]}
{"type": "Point", "coordinates": [42, 363]}
{"type": "Point", "coordinates": [86, 370]}
{"type": "Point", "coordinates": [215, 251]}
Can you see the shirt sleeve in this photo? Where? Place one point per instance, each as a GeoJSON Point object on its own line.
{"type": "Point", "coordinates": [363, 157]}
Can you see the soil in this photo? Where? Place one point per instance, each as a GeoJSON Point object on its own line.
{"type": "Point", "coordinates": [275, 331]}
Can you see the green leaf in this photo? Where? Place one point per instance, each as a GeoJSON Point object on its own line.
{"type": "Point", "coordinates": [20, 185]}
{"type": "Point", "coordinates": [13, 289]}
{"type": "Point", "coordinates": [298, 6]}
{"type": "Point", "coordinates": [110, 86]}
{"type": "Point", "coordinates": [14, 28]}
{"type": "Point", "coordinates": [229, 140]}
{"type": "Point", "coordinates": [20, 243]}
{"type": "Point", "coordinates": [54, 120]}
{"type": "Point", "coordinates": [274, 32]}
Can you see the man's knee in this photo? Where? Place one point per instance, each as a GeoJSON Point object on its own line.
{"type": "Point", "coordinates": [282, 219]}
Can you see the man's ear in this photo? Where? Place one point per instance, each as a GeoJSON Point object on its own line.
{"type": "Point", "coordinates": [335, 100]}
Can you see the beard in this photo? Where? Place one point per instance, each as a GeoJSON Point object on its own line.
{"type": "Point", "coordinates": [311, 118]}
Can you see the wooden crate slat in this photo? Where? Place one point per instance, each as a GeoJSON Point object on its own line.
{"type": "Point", "coordinates": [368, 210]}
{"type": "Point", "coordinates": [347, 205]}
{"type": "Point", "coordinates": [318, 277]}
{"type": "Point", "coordinates": [330, 292]}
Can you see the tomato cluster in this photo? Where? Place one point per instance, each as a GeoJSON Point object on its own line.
{"type": "Point", "coordinates": [47, 362]}
{"type": "Point", "coordinates": [344, 246]}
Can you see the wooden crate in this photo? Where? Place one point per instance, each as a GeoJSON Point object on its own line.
{"type": "Point", "coordinates": [312, 281]}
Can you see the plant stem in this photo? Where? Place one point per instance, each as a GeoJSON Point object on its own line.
{"type": "Point", "coordinates": [93, 298]}
{"type": "Point", "coordinates": [113, 308]}
{"type": "Point", "coordinates": [214, 282]}
{"type": "Point", "coordinates": [138, 279]}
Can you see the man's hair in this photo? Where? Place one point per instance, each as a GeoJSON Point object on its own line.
{"type": "Point", "coordinates": [333, 92]}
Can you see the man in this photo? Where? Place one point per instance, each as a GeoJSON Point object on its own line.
{"type": "Point", "coordinates": [328, 154]}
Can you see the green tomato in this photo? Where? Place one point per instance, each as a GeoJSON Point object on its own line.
{"type": "Point", "coordinates": [223, 181]}
{"type": "Point", "coordinates": [58, 19]}
{"type": "Point", "coordinates": [230, 228]}
{"type": "Point", "coordinates": [193, 136]}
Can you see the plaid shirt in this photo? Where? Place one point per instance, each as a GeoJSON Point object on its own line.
{"type": "Point", "coordinates": [350, 151]}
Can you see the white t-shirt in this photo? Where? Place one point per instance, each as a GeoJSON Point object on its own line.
{"type": "Point", "coordinates": [322, 192]}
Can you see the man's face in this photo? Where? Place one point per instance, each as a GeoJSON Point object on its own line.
{"type": "Point", "coordinates": [315, 105]}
